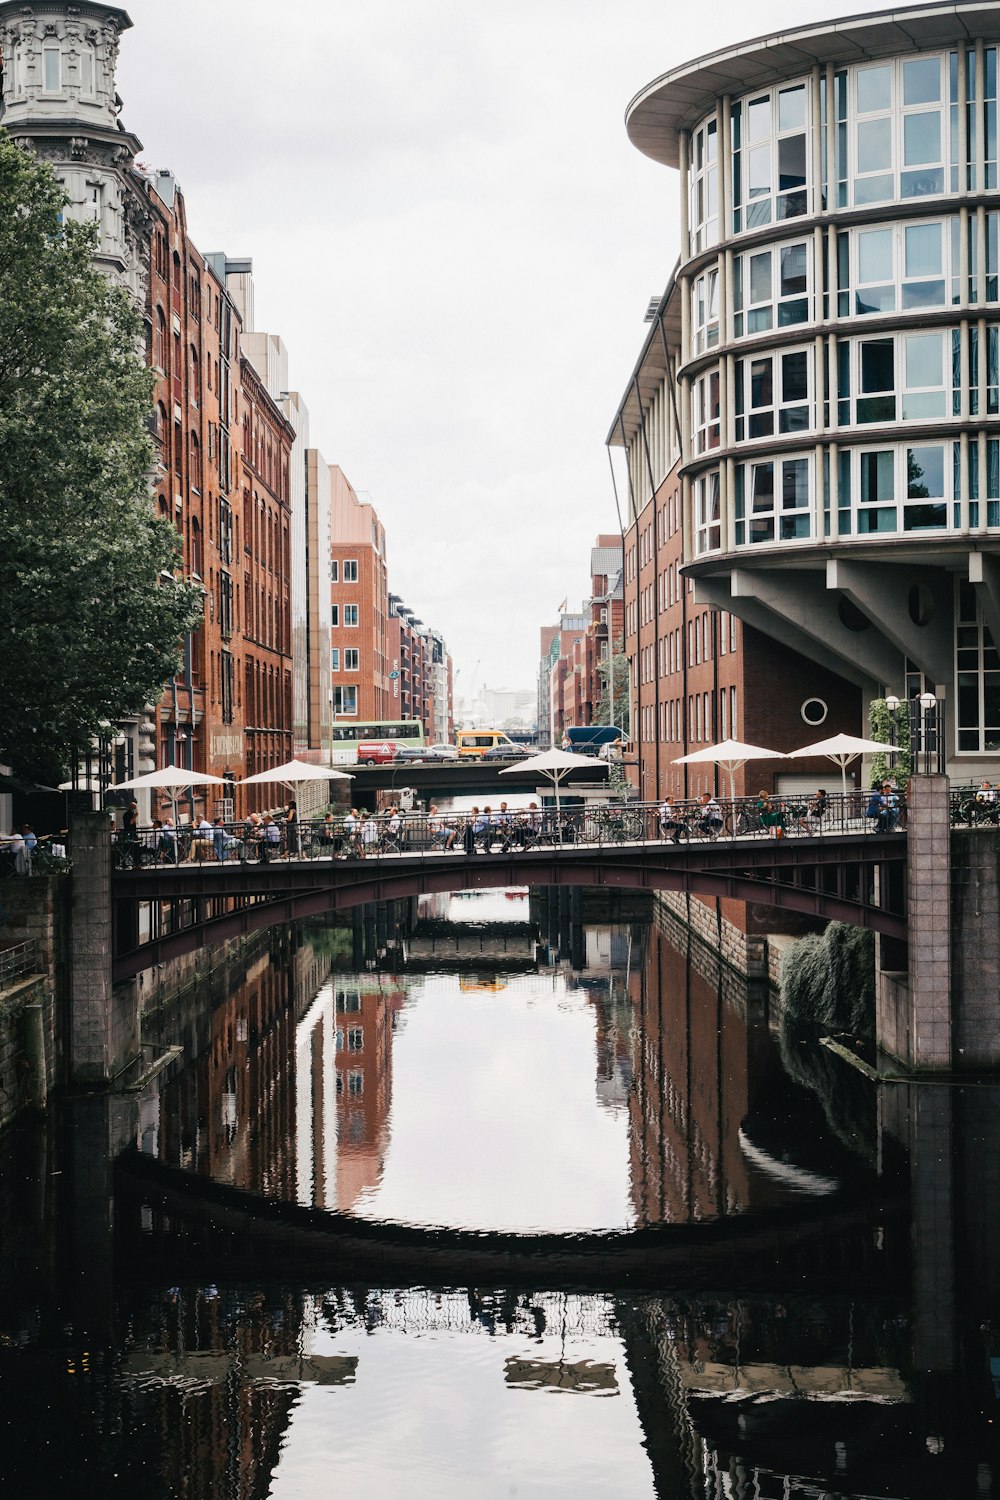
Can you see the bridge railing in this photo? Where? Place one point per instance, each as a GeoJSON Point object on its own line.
{"type": "Point", "coordinates": [607, 824]}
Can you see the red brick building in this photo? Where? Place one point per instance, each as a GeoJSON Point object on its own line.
{"type": "Point", "coordinates": [265, 452]}
{"type": "Point", "coordinates": [193, 339]}
{"type": "Point", "coordinates": [359, 606]}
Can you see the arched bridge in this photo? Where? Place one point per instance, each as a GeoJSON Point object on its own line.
{"type": "Point", "coordinates": [172, 1221]}
{"type": "Point", "coordinates": [856, 876]}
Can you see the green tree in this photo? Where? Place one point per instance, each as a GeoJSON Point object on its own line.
{"type": "Point", "coordinates": [613, 671]}
{"type": "Point", "coordinates": [91, 615]}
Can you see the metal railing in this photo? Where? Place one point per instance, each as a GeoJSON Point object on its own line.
{"type": "Point", "coordinates": [974, 806]}
{"type": "Point", "coordinates": [609, 824]}
{"type": "Point", "coordinates": [17, 961]}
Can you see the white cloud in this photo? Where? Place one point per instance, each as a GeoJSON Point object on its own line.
{"type": "Point", "coordinates": [457, 242]}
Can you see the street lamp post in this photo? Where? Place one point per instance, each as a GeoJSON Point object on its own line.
{"type": "Point", "coordinates": [926, 738]}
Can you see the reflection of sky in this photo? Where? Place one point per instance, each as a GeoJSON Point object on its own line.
{"type": "Point", "coordinates": [507, 905]}
{"type": "Point", "coordinates": [431, 1417]}
{"type": "Point", "coordinates": [495, 1118]}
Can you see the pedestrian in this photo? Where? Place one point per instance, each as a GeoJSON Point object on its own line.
{"type": "Point", "coordinates": [292, 831]}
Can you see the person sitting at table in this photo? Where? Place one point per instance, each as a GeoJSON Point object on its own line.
{"type": "Point", "coordinates": [670, 823]}
{"type": "Point", "coordinates": [711, 821]}
{"type": "Point", "coordinates": [202, 842]}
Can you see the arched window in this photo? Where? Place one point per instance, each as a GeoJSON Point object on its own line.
{"type": "Point", "coordinates": [160, 422]}
{"type": "Point", "coordinates": [194, 469]}
{"type": "Point", "coordinates": [195, 546]}
{"type": "Point", "coordinates": [160, 341]}
{"type": "Point", "coordinates": [195, 377]}
{"type": "Point", "coordinates": [177, 272]}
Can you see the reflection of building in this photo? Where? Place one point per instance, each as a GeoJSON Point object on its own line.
{"type": "Point", "coordinates": [366, 1008]}
{"type": "Point", "coordinates": [344, 1089]}
{"type": "Point", "coordinates": [695, 1043]}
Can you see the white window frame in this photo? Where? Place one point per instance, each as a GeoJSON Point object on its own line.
{"type": "Point", "coordinates": [780, 310]}
{"type": "Point", "coordinates": [352, 659]}
{"type": "Point", "coordinates": [777, 512]}
{"type": "Point", "coordinates": [350, 574]}
{"type": "Point", "coordinates": [351, 616]}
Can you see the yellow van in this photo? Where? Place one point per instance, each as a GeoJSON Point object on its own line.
{"type": "Point", "coordinates": [476, 742]}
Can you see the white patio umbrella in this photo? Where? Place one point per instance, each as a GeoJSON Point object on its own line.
{"type": "Point", "coordinates": [171, 779]}
{"type": "Point", "coordinates": [842, 749]}
{"type": "Point", "coordinates": [555, 766]}
{"type": "Point", "coordinates": [292, 774]}
{"type": "Point", "coordinates": [730, 755]}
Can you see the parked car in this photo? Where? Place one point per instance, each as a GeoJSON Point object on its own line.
{"type": "Point", "coordinates": [507, 751]}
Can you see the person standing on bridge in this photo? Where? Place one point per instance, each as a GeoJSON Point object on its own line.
{"type": "Point", "coordinates": [292, 834]}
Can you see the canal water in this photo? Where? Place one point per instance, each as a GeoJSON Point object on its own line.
{"type": "Point", "coordinates": [815, 1316]}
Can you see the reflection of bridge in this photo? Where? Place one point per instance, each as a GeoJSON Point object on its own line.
{"type": "Point", "coordinates": [173, 1220]}
{"type": "Point", "coordinates": [850, 877]}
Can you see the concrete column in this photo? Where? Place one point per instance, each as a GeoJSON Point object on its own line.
{"type": "Point", "coordinates": [929, 920]}
{"type": "Point", "coordinates": [104, 1022]}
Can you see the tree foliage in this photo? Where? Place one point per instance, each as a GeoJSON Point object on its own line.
{"type": "Point", "coordinates": [91, 626]}
{"type": "Point", "coordinates": [614, 672]}
{"type": "Point", "coordinates": [884, 725]}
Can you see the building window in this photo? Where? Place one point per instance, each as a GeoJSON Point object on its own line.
{"type": "Point", "coordinates": [350, 570]}
{"type": "Point", "coordinates": [903, 377]}
{"type": "Point", "coordinates": [773, 502]}
{"type": "Point", "coordinates": [977, 666]}
{"type": "Point", "coordinates": [345, 701]}
{"type": "Point", "coordinates": [226, 613]}
{"type": "Point", "coordinates": [87, 73]}
{"type": "Point", "coordinates": [228, 670]}
{"type": "Point", "coordinates": [771, 289]}
{"type": "Point", "coordinates": [708, 522]}
{"type": "Point", "coordinates": [893, 485]}
{"type": "Point", "coordinates": [704, 187]}
{"type": "Point", "coordinates": [51, 70]}
{"type": "Point", "coordinates": [706, 311]}
{"type": "Point", "coordinates": [334, 615]}
{"type": "Point", "coordinates": [899, 130]}
{"type": "Point", "coordinates": [355, 1039]}
{"type": "Point", "coordinates": [334, 570]}
{"type": "Point", "coordinates": [773, 394]}
{"type": "Point", "coordinates": [350, 615]}
{"type": "Point", "coordinates": [706, 411]}
{"type": "Point", "coordinates": [352, 660]}
{"type": "Point", "coordinates": [348, 1002]}
{"type": "Point", "coordinates": [770, 157]}
{"type": "Point", "coordinates": [335, 659]}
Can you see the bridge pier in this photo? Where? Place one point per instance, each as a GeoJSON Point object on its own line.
{"type": "Point", "coordinates": [104, 1018]}
{"type": "Point", "coordinates": [940, 1012]}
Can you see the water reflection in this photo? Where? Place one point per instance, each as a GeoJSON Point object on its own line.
{"type": "Point", "coordinates": [625, 1078]}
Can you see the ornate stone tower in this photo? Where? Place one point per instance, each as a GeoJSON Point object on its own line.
{"type": "Point", "coordinates": [58, 97]}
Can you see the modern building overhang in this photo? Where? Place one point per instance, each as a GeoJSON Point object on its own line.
{"type": "Point", "coordinates": [651, 368]}
{"type": "Point", "coordinates": [679, 99]}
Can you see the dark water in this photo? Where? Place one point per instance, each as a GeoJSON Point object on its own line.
{"type": "Point", "coordinates": [815, 1318]}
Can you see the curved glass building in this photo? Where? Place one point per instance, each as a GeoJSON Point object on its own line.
{"type": "Point", "coordinates": [838, 371]}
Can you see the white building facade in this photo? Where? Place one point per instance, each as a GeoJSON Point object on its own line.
{"type": "Point", "coordinates": [838, 384]}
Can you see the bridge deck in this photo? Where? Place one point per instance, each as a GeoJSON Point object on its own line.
{"type": "Point", "coordinates": [830, 876]}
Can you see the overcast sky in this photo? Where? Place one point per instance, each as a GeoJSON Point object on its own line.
{"type": "Point", "coordinates": [457, 242]}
